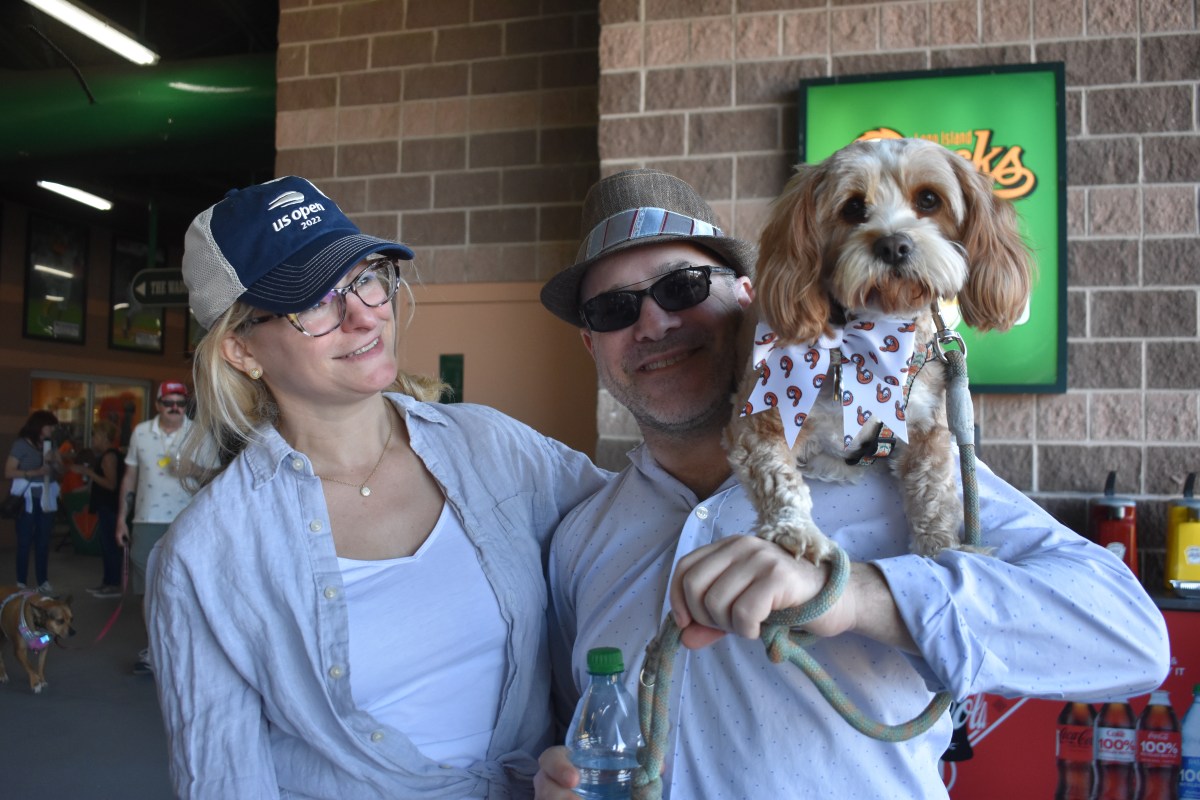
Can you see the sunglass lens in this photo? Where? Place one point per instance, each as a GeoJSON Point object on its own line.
{"type": "Point", "coordinates": [681, 289]}
{"type": "Point", "coordinates": [611, 311]}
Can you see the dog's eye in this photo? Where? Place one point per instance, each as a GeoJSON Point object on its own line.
{"type": "Point", "coordinates": [928, 201]}
{"type": "Point", "coordinates": [855, 211]}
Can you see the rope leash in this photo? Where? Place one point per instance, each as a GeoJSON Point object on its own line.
{"type": "Point", "coordinates": [784, 644]}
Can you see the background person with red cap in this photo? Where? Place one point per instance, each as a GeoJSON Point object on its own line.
{"type": "Point", "coordinates": [151, 484]}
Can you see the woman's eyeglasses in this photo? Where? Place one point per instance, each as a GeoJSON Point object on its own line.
{"type": "Point", "coordinates": [374, 286]}
{"type": "Point", "coordinates": [678, 290]}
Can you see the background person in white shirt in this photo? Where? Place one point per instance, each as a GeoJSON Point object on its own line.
{"type": "Point", "coordinates": [152, 484]}
{"type": "Point", "coordinates": [658, 293]}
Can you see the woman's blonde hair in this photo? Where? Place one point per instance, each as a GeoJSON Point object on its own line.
{"type": "Point", "coordinates": [231, 407]}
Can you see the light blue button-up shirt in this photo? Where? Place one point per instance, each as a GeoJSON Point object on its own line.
{"type": "Point", "coordinates": [1049, 615]}
{"type": "Point", "coordinates": [249, 631]}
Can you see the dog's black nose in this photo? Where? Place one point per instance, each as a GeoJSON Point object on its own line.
{"type": "Point", "coordinates": [893, 249]}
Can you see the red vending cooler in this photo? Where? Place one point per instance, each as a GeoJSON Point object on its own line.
{"type": "Point", "coordinates": [1004, 733]}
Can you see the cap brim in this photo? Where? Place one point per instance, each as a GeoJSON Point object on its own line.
{"type": "Point", "coordinates": [309, 274]}
{"type": "Point", "coordinates": [560, 295]}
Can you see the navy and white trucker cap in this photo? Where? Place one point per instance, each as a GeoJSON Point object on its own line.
{"type": "Point", "coordinates": [279, 246]}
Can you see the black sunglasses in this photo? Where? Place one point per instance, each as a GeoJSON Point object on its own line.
{"type": "Point", "coordinates": [173, 403]}
{"type": "Point", "coordinates": [678, 290]}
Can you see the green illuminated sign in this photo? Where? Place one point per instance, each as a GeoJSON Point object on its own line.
{"type": "Point", "coordinates": [1009, 122]}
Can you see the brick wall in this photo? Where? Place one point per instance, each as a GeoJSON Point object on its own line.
{"type": "Point", "coordinates": [706, 89]}
{"type": "Point", "coordinates": [465, 127]}
{"type": "Point", "coordinates": [472, 129]}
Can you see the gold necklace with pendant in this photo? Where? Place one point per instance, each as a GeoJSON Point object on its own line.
{"type": "Point", "coordinates": [363, 489]}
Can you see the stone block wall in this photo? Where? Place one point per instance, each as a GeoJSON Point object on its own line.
{"type": "Point", "coordinates": [707, 88]}
{"type": "Point", "coordinates": [472, 129]}
{"type": "Point", "coordinates": [465, 127]}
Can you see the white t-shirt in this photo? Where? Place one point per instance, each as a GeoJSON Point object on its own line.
{"type": "Point", "coordinates": [409, 666]}
{"type": "Point", "coordinates": [155, 454]}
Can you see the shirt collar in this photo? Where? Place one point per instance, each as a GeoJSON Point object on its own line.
{"type": "Point", "coordinates": [268, 451]}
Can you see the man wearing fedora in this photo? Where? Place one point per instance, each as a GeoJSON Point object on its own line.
{"type": "Point", "coordinates": [658, 292]}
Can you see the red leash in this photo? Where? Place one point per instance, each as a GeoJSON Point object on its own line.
{"type": "Point", "coordinates": [116, 613]}
{"type": "Point", "coordinates": [124, 588]}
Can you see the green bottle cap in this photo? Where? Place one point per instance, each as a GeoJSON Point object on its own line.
{"type": "Point", "coordinates": [605, 661]}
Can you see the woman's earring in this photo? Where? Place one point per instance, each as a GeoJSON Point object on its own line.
{"type": "Point", "coordinates": [255, 374]}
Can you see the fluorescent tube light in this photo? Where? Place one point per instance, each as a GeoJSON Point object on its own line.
{"type": "Point", "coordinates": [58, 273]}
{"type": "Point", "coordinates": [78, 195]}
{"type": "Point", "coordinates": [98, 29]}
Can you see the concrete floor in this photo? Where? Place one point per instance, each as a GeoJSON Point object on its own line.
{"type": "Point", "coordinates": [95, 733]}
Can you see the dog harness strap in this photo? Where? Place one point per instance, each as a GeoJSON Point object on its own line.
{"type": "Point", "coordinates": [35, 640]}
{"type": "Point", "coordinates": [885, 441]}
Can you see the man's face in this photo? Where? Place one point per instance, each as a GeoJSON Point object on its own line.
{"type": "Point", "coordinates": [171, 408]}
{"type": "Point", "coordinates": [674, 371]}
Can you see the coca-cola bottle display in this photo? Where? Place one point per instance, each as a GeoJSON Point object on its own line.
{"type": "Point", "coordinates": [1116, 745]}
{"type": "Point", "coordinates": [1159, 752]}
{"type": "Point", "coordinates": [1073, 751]}
{"type": "Point", "coordinates": [1189, 778]}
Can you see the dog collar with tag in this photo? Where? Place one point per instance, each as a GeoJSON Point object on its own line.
{"type": "Point", "coordinates": [35, 640]}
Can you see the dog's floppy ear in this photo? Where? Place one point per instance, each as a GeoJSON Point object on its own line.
{"type": "Point", "coordinates": [788, 284]}
{"type": "Point", "coordinates": [999, 266]}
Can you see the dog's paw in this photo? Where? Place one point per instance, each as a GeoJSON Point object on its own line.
{"type": "Point", "coordinates": [930, 546]}
{"type": "Point", "coordinates": [37, 687]}
{"type": "Point", "coordinates": [3, 679]}
{"type": "Point", "coordinates": [801, 540]}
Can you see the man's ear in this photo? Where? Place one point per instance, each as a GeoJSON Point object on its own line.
{"type": "Point", "coordinates": [586, 335]}
{"type": "Point", "coordinates": [744, 291]}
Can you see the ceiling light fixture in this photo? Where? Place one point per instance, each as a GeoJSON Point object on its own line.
{"type": "Point", "coordinates": [78, 195]}
{"type": "Point", "coordinates": [97, 28]}
{"type": "Point", "coordinates": [58, 273]}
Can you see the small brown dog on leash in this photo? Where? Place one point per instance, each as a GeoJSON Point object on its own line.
{"type": "Point", "coordinates": [31, 621]}
{"type": "Point", "coordinates": [856, 254]}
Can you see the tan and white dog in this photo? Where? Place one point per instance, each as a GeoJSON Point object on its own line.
{"type": "Point", "coordinates": [855, 253]}
{"type": "Point", "coordinates": [35, 613]}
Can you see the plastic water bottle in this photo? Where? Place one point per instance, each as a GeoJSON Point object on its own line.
{"type": "Point", "coordinates": [604, 736]}
{"type": "Point", "coordinates": [1189, 777]}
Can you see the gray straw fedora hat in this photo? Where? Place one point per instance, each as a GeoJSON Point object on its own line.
{"type": "Point", "coordinates": [633, 209]}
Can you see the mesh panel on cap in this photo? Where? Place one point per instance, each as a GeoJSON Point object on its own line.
{"type": "Point", "coordinates": [213, 285]}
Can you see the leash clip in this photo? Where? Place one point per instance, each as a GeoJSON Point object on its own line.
{"type": "Point", "coordinates": [945, 336]}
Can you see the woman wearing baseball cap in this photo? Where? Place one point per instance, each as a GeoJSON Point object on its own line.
{"type": "Point", "coordinates": [353, 605]}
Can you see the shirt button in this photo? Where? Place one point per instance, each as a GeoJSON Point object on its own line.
{"type": "Point", "coordinates": [315, 526]}
{"type": "Point", "coordinates": [377, 736]}
{"type": "Point", "coordinates": [297, 464]}
{"type": "Point", "coordinates": [330, 592]}
{"type": "Point", "coordinates": [702, 513]}
{"type": "Point", "coordinates": [336, 671]}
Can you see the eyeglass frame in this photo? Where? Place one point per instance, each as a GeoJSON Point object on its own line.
{"type": "Point", "coordinates": [172, 403]}
{"type": "Point", "coordinates": [640, 294]}
{"type": "Point", "coordinates": [340, 294]}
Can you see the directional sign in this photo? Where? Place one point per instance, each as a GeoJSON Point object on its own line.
{"type": "Point", "coordinates": [159, 287]}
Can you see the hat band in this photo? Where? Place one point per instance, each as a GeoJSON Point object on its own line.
{"type": "Point", "coordinates": [639, 223]}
